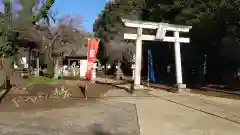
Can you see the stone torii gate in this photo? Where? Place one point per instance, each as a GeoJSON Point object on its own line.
{"type": "Point", "coordinates": [162, 28]}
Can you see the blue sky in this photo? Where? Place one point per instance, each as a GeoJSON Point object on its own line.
{"type": "Point", "coordinates": [88, 9]}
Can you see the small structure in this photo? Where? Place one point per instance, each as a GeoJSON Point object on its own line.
{"type": "Point", "coordinates": [29, 51]}
{"type": "Point", "coordinates": [76, 61]}
{"type": "Point", "coordinates": [29, 41]}
{"type": "Point", "coordinates": [162, 28]}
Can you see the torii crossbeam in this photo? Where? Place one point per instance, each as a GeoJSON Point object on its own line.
{"type": "Point", "coordinates": [162, 28]}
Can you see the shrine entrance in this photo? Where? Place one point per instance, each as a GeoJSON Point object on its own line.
{"type": "Point", "coordinates": [161, 28]}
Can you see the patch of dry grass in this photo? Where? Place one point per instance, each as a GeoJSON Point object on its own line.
{"type": "Point", "coordinates": [61, 93]}
{"type": "Point", "coordinates": [57, 94]}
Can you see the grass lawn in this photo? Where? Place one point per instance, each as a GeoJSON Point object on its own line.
{"type": "Point", "coordinates": [42, 80]}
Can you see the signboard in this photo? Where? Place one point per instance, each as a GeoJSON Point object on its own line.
{"type": "Point", "coordinates": [91, 58]}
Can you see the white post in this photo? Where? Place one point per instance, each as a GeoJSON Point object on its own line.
{"type": "Point", "coordinates": [79, 68]}
{"type": "Point", "coordinates": [133, 66]}
{"type": "Point", "coordinates": [133, 70]}
{"type": "Point", "coordinates": [138, 64]}
{"type": "Point", "coordinates": [56, 69]}
{"type": "Point", "coordinates": [38, 67]}
{"type": "Point", "coordinates": [83, 68]}
{"type": "Point", "coordinates": [178, 63]}
{"type": "Point", "coordinates": [94, 72]}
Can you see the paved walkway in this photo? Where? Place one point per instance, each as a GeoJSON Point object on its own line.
{"type": "Point", "coordinates": [165, 113]}
{"type": "Point", "coordinates": [171, 114]}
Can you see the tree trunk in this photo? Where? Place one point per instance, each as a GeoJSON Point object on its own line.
{"type": "Point", "coordinates": [56, 68]}
{"type": "Point", "coordinates": [29, 60]}
{"type": "Point", "coordinates": [48, 59]}
{"type": "Point", "coordinates": [50, 65]}
{"type": "Point", "coordinates": [6, 70]}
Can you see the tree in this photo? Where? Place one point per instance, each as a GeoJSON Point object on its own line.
{"type": "Point", "coordinates": [63, 37]}
{"type": "Point", "coordinates": [214, 37]}
{"type": "Point", "coordinates": [14, 19]}
{"type": "Point", "coordinates": [214, 24]}
{"type": "Point", "coordinates": [109, 28]}
{"type": "Point", "coordinates": [7, 47]}
{"type": "Point", "coordinates": [11, 25]}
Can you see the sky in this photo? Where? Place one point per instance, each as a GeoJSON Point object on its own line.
{"type": "Point", "coordinates": [88, 9]}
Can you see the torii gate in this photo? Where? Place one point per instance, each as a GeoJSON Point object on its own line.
{"type": "Point", "coordinates": [162, 28]}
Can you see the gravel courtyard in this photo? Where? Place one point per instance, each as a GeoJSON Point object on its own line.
{"type": "Point", "coordinates": [89, 118]}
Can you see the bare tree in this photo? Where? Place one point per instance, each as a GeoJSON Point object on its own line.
{"type": "Point", "coordinates": [62, 37]}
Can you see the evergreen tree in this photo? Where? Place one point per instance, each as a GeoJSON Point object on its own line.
{"type": "Point", "coordinates": [109, 28]}
{"type": "Point", "coordinates": [214, 24]}
{"type": "Point", "coordinates": [214, 37]}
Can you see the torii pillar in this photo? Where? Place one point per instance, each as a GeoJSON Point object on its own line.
{"type": "Point", "coordinates": [162, 28]}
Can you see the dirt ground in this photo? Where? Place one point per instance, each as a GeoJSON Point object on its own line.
{"type": "Point", "coordinates": [73, 116]}
{"type": "Point", "coordinates": [36, 96]}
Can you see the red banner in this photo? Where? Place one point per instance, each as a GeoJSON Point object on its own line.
{"type": "Point", "coordinates": [92, 53]}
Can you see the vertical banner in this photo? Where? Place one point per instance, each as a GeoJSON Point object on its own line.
{"type": "Point", "coordinates": [151, 74]}
{"type": "Point", "coordinates": [91, 57]}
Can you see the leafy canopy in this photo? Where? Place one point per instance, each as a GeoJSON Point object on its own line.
{"type": "Point", "coordinates": [12, 20]}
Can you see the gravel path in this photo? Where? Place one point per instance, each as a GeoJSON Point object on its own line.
{"type": "Point", "coordinates": [98, 118]}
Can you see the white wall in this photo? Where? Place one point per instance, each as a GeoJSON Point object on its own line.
{"type": "Point", "coordinates": [83, 68]}
{"type": "Point", "coordinates": [24, 62]}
